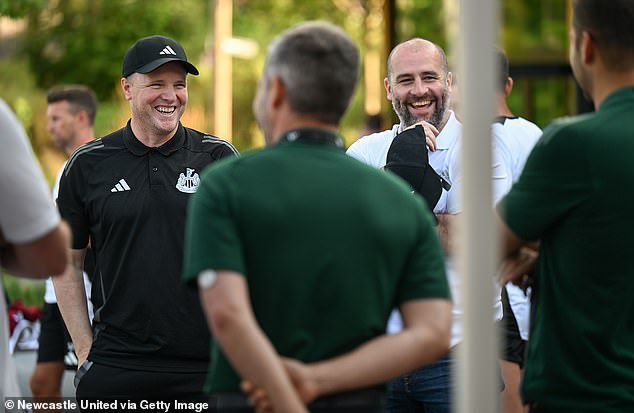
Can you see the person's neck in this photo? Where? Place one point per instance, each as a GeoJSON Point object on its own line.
{"type": "Point", "coordinates": [82, 138]}
{"type": "Point", "coordinates": [444, 121]}
{"type": "Point", "coordinates": [149, 139]}
{"type": "Point", "coordinates": [503, 108]}
{"type": "Point", "coordinates": [299, 123]}
{"type": "Point", "coordinates": [608, 83]}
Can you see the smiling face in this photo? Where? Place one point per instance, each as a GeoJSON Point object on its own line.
{"type": "Point", "coordinates": [157, 101]}
{"type": "Point", "coordinates": [418, 84]}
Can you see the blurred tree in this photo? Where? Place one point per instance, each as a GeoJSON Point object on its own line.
{"type": "Point", "coordinates": [248, 21]}
{"type": "Point", "coordinates": [83, 41]}
{"type": "Point", "coordinates": [19, 8]}
{"type": "Point", "coordinates": [534, 33]}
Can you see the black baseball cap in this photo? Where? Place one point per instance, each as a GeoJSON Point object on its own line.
{"type": "Point", "coordinates": [151, 52]}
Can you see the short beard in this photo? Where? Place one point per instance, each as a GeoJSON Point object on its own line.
{"type": "Point", "coordinates": [436, 119]}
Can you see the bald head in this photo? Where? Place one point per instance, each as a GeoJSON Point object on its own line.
{"type": "Point", "coordinates": [416, 45]}
{"type": "Point", "coordinates": [418, 82]}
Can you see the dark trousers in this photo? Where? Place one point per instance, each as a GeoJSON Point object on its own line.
{"type": "Point", "coordinates": [361, 401]}
{"type": "Point", "coordinates": [537, 409]}
{"type": "Point", "coordinates": [97, 382]}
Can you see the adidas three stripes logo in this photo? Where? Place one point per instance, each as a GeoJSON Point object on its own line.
{"type": "Point", "coordinates": [168, 50]}
{"type": "Point", "coordinates": [121, 186]}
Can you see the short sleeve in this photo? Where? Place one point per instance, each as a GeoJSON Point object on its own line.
{"type": "Point", "coordinates": [424, 275]}
{"type": "Point", "coordinates": [453, 204]}
{"type": "Point", "coordinates": [71, 203]}
{"type": "Point", "coordinates": [212, 236]}
{"type": "Point", "coordinates": [27, 210]}
{"type": "Point", "coordinates": [502, 163]}
{"type": "Point", "coordinates": [356, 151]}
{"type": "Point", "coordinates": [554, 180]}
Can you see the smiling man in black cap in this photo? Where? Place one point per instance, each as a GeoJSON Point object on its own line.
{"type": "Point", "coordinates": [126, 195]}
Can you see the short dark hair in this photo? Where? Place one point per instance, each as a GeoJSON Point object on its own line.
{"type": "Point", "coordinates": [502, 67]}
{"type": "Point", "coordinates": [610, 25]}
{"type": "Point", "coordinates": [79, 97]}
{"type": "Point", "coordinates": [318, 64]}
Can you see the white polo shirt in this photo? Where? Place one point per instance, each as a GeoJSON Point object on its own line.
{"type": "Point", "coordinates": [445, 160]}
{"type": "Point", "coordinates": [512, 142]}
{"type": "Point", "coordinates": [372, 150]}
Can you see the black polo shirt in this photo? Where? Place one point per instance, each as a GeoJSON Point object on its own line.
{"type": "Point", "coordinates": [130, 201]}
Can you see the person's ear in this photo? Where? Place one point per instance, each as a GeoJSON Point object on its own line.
{"type": "Point", "coordinates": [278, 92]}
{"type": "Point", "coordinates": [588, 48]}
{"type": "Point", "coordinates": [508, 87]}
{"type": "Point", "coordinates": [388, 88]}
{"type": "Point", "coordinates": [82, 116]}
{"type": "Point", "coordinates": [126, 86]}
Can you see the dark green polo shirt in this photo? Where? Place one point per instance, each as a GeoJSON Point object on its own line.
{"type": "Point", "coordinates": [328, 246]}
{"type": "Point", "coordinates": [575, 195]}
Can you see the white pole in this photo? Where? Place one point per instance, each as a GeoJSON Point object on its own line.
{"type": "Point", "coordinates": [477, 369]}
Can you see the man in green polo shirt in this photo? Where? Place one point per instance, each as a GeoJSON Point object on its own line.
{"type": "Point", "coordinates": [301, 251]}
{"type": "Point", "coordinates": [575, 196]}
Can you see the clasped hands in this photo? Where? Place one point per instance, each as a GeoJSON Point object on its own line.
{"type": "Point", "coordinates": [300, 375]}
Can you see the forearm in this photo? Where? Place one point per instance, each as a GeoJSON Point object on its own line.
{"type": "Point", "coordinates": [386, 357]}
{"type": "Point", "coordinates": [447, 224]}
{"type": "Point", "coordinates": [40, 258]}
{"type": "Point", "coordinates": [254, 358]}
{"type": "Point", "coordinates": [248, 349]}
{"type": "Point", "coordinates": [71, 299]}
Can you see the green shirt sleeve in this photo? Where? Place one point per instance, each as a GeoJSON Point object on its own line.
{"type": "Point", "coordinates": [555, 179]}
{"type": "Point", "coordinates": [424, 275]}
{"type": "Point", "coordinates": [212, 236]}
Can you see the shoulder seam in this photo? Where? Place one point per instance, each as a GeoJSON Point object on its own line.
{"type": "Point", "coordinates": [213, 139]}
{"type": "Point", "coordinates": [91, 146]}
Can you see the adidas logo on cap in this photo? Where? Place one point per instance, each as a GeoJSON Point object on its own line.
{"type": "Point", "coordinates": [149, 53]}
{"type": "Point", "coordinates": [168, 50]}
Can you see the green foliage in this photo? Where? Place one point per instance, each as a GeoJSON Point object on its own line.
{"type": "Point", "coordinates": [83, 41]}
{"type": "Point", "coordinates": [535, 31]}
{"type": "Point", "coordinates": [248, 21]}
{"type": "Point", "coordinates": [19, 8]}
{"type": "Point", "coordinates": [30, 291]}
{"type": "Point", "coordinates": [421, 18]}
{"type": "Point", "coordinates": [21, 93]}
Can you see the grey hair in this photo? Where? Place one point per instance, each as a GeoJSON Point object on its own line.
{"type": "Point", "coordinates": [318, 63]}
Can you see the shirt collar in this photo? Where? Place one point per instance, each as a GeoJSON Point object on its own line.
{"type": "Point", "coordinates": [617, 97]}
{"type": "Point", "coordinates": [137, 148]}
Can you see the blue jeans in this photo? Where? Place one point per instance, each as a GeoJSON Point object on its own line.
{"type": "Point", "coordinates": [425, 390]}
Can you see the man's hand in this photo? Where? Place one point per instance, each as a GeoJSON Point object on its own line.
{"type": "Point", "coordinates": [518, 268]}
{"type": "Point", "coordinates": [430, 133]}
{"type": "Point", "coordinates": [82, 356]}
{"type": "Point", "coordinates": [301, 377]}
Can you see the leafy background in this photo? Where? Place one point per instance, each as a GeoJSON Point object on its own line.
{"type": "Point", "coordinates": [49, 42]}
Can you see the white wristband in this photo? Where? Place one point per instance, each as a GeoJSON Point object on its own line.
{"type": "Point", "coordinates": [206, 279]}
